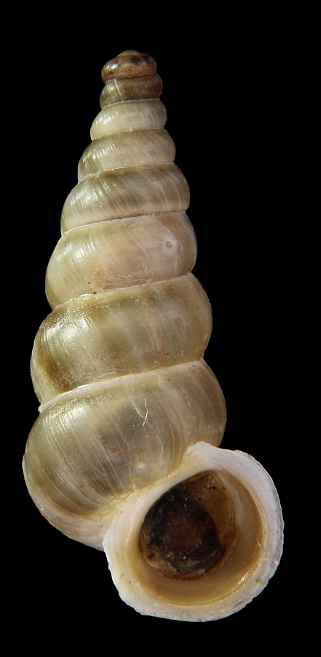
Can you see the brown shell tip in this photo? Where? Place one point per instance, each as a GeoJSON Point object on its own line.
{"type": "Point", "coordinates": [127, 64]}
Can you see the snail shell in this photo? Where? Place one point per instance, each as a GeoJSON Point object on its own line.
{"type": "Point", "coordinates": [125, 449]}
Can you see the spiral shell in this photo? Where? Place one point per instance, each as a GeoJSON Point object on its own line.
{"type": "Point", "coordinates": [130, 413]}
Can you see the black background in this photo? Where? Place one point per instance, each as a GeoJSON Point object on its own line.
{"type": "Point", "coordinates": [226, 97]}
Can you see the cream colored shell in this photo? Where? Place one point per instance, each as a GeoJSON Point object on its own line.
{"type": "Point", "coordinates": [128, 406]}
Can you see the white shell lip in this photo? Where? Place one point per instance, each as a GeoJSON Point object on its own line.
{"type": "Point", "coordinates": [125, 561]}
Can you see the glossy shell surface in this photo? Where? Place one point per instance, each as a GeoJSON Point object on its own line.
{"type": "Point", "coordinates": [128, 407]}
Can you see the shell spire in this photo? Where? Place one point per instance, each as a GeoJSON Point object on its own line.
{"type": "Point", "coordinates": [131, 417]}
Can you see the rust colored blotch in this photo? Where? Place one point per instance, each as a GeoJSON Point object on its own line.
{"type": "Point", "coordinates": [184, 535]}
{"type": "Point", "coordinates": [129, 63]}
{"type": "Point", "coordinates": [190, 528]}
